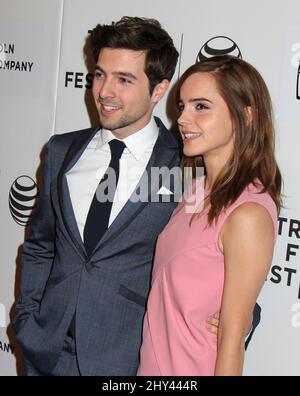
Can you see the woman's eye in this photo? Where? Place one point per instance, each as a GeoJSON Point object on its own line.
{"type": "Point", "coordinates": [180, 107]}
{"type": "Point", "coordinates": [201, 106]}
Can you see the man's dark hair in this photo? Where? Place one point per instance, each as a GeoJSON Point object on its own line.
{"type": "Point", "coordinates": [139, 34]}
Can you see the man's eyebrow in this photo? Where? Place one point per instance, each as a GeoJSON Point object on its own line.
{"type": "Point", "coordinates": [118, 73]}
{"type": "Point", "coordinates": [99, 68]}
{"type": "Point", "coordinates": [125, 74]}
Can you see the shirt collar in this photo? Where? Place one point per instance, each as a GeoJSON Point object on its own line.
{"type": "Point", "coordinates": [137, 143]}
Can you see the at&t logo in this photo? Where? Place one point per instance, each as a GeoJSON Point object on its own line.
{"type": "Point", "coordinates": [219, 45]}
{"type": "Point", "coordinates": [22, 199]}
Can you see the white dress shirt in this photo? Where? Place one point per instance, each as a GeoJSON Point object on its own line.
{"type": "Point", "coordinates": [84, 177]}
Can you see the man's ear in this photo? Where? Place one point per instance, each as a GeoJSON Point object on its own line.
{"type": "Point", "coordinates": [159, 90]}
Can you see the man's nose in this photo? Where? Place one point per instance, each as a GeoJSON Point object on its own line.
{"type": "Point", "coordinates": [106, 89]}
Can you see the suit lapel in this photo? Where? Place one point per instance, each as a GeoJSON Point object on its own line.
{"type": "Point", "coordinates": [163, 153]}
{"type": "Point", "coordinates": [75, 151]}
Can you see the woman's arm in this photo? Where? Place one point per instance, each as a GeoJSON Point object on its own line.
{"type": "Point", "coordinates": [247, 240]}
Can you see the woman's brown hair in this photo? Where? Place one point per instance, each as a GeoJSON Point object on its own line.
{"type": "Point", "coordinates": [250, 107]}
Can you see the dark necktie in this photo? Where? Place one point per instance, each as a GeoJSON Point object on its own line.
{"type": "Point", "coordinates": [98, 216]}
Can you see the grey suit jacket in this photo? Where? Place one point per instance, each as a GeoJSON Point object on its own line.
{"type": "Point", "coordinates": [108, 291]}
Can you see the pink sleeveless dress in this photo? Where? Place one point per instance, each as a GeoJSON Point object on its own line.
{"type": "Point", "coordinates": [187, 286]}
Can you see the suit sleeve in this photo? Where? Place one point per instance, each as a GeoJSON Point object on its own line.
{"type": "Point", "coordinates": [255, 323]}
{"type": "Point", "coordinates": [38, 251]}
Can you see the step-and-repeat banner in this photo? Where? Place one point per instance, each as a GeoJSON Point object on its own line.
{"type": "Point", "coordinates": [45, 78]}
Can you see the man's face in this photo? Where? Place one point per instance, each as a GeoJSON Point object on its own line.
{"type": "Point", "coordinates": [121, 91]}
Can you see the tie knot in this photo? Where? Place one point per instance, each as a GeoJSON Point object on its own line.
{"type": "Point", "coordinates": [116, 148]}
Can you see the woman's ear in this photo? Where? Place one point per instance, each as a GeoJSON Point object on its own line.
{"type": "Point", "coordinates": [159, 90]}
{"type": "Point", "coordinates": [248, 114]}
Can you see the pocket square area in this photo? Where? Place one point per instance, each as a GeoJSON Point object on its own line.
{"type": "Point", "coordinates": [164, 191]}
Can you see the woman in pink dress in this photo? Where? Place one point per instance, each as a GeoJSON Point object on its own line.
{"type": "Point", "coordinates": [217, 258]}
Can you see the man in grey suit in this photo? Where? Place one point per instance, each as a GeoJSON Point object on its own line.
{"type": "Point", "coordinates": [86, 266]}
{"type": "Point", "coordinates": [80, 309]}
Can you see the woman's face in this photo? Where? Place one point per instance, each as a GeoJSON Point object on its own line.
{"type": "Point", "coordinates": [205, 122]}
